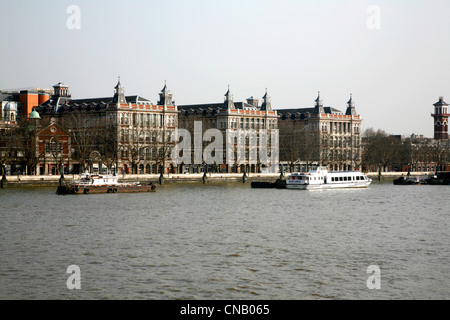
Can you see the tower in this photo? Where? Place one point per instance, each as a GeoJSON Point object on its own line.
{"type": "Point", "coordinates": [61, 90]}
{"type": "Point", "coordinates": [351, 110]}
{"type": "Point", "coordinates": [228, 103]}
{"type": "Point", "coordinates": [119, 96]}
{"type": "Point", "coordinates": [266, 104]}
{"type": "Point", "coordinates": [440, 116]}
{"type": "Point", "coordinates": [318, 108]}
{"type": "Point", "coordinates": [165, 97]}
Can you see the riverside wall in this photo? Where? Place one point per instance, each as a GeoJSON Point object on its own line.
{"type": "Point", "coordinates": [54, 180]}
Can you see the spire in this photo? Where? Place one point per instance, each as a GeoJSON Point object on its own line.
{"type": "Point", "coordinates": [351, 110]}
{"type": "Point", "coordinates": [228, 103]}
{"type": "Point", "coordinates": [318, 100]}
{"type": "Point", "coordinates": [119, 96]}
{"type": "Point", "coordinates": [165, 86]}
{"type": "Point", "coordinates": [318, 109]}
{"type": "Point", "coordinates": [165, 97]}
{"type": "Point", "coordinates": [228, 93]}
{"type": "Point", "coordinates": [266, 104]}
{"type": "Point", "coordinates": [118, 85]}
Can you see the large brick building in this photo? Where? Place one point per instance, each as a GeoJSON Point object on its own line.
{"type": "Point", "coordinates": [126, 134]}
{"type": "Point", "coordinates": [320, 135]}
{"type": "Point", "coordinates": [229, 116]}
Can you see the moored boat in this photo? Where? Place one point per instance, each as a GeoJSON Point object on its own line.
{"type": "Point", "coordinates": [321, 178]}
{"type": "Point", "coordinates": [278, 184]}
{"type": "Point", "coordinates": [402, 181]}
{"type": "Point", "coordinates": [440, 178]}
{"type": "Point", "coordinates": [94, 183]}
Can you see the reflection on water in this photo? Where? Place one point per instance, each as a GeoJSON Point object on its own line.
{"type": "Point", "coordinates": [226, 241]}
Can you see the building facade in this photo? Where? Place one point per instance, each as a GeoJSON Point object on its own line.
{"type": "Point", "coordinates": [320, 135]}
{"type": "Point", "coordinates": [125, 134]}
{"type": "Point", "coordinates": [18, 104]}
{"type": "Point", "coordinates": [229, 116]}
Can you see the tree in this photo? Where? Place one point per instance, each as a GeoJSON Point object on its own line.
{"type": "Point", "coordinates": [380, 149]}
{"type": "Point", "coordinates": [8, 148]}
{"type": "Point", "coordinates": [84, 131]}
{"type": "Point", "coordinates": [298, 144]}
{"type": "Point", "coordinates": [108, 145]}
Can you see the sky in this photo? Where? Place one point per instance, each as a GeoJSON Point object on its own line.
{"type": "Point", "coordinates": [392, 56]}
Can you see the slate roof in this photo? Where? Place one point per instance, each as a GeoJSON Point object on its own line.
{"type": "Point", "coordinates": [328, 110]}
{"type": "Point", "coordinates": [55, 103]}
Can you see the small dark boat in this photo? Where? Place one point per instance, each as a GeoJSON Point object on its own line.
{"type": "Point", "coordinates": [402, 181]}
{"type": "Point", "coordinates": [279, 184]}
{"type": "Point", "coordinates": [440, 178]}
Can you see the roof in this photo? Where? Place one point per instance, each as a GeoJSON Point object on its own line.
{"type": "Point", "coordinates": [441, 102]}
{"type": "Point", "coordinates": [55, 103]}
{"type": "Point", "coordinates": [60, 85]}
{"type": "Point", "coordinates": [238, 105]}
{"type": "Point", "coordinates": [328, 110]}
{"type": "Point", "coordinates": [34, 115]}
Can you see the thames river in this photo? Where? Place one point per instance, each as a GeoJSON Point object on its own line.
{"type": "Point", "coordinates": [227, 241]}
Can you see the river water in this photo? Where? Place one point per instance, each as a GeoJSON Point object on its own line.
{"type": "Point", "coordinates": [227, 241]}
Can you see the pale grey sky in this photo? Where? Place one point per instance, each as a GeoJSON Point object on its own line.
{"type": "Point", "coordinates": [396, 64]}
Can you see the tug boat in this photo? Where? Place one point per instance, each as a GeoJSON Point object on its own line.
{"type": "Point", "coordinates": [320, 178]}
{"type": "Point", "coordinates": [94, 183]}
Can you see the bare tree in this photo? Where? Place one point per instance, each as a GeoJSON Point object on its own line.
{"type": "Point", "coordinates": [84, 131]}
{"type": "Point", "coordinates": [380, 148]}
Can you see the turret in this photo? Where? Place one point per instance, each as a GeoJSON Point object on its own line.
{"type": "Point", "coordinates": [351, 110]}
{"type": "Point", "coordinates": [318, 108]}
{"type": "Point", "coordinates": [119, 96]}
{"type": "Point", "coordinates": [266, 104]}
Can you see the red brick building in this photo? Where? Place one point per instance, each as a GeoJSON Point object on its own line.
{"type": "Point", "coordinates": [53, 147]}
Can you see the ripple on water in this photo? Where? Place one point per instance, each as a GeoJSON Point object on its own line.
{"type": "Point", "coordinates": [227, 241]}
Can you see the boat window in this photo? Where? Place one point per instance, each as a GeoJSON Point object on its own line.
{"type": "Point", "coordinates": [341, 179]}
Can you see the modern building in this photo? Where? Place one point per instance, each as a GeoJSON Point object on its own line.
{"type": "Point", "coordinates": [320, 135]}
{"type": "Point", "coordinates": [18, 104]}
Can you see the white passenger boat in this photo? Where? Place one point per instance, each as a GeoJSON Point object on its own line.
{"type": "Point", "coordinates": [320, 178]}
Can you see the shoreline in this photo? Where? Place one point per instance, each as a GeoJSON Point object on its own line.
{"type": "Point", "coordinates": [53, 180]}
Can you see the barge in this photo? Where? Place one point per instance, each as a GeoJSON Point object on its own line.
{"type": "Point", "coordinates": [94, 183]}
